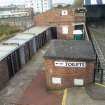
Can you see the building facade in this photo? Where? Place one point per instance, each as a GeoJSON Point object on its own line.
{"type": "Point", "coordinates": [17, 16]}
{"type": "Point", "coordinates": [42, 5]}
{"type": "Point", "coordinates": [64, 19]}
{"type": "Point", "coordinates": [69, 64]}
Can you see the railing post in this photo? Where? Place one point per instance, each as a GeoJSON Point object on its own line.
{"type": "Point", "coordinates": [101, 78]}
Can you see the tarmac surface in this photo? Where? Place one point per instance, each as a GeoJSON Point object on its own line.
{"type": "Point", "coordinates": [79, 96]}
{"type": "Point", "coordinates": [96, 92]}
{"type": "Point", "coordinates": [38, 94]}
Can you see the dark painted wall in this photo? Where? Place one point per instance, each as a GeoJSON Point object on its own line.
{"type": "Point", "coordinates": [95, 12]}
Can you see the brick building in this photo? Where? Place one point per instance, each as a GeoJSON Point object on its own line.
{"type": "Point", "coordinates": [69, 63]}
{"type": "Point", "coordinates": [64, 19]}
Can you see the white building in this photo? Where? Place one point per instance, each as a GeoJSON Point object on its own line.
{"type": "Point", "coordinates": [29, 3]}
{"type": "Point", "coordinates": [42, 5]}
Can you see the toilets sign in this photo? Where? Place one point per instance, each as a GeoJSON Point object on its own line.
{"type": "Point", "coordinates": [70, 64]}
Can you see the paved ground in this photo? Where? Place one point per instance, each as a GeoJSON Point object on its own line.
{"type": "Point", "coordinates": [17, 85]}
{"type": "Point", "coordinates": [96, 92]}
{"type": "Point", "coordinates": [79, 96]}
{"type": "Point", "coordinates": [38, 94]}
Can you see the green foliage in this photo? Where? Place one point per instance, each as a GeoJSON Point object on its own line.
{"type": "Point", "coordinates": [7, 31]}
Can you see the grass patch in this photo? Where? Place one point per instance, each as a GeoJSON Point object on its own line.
{"type": "Point", "coordinates": [7, 31]}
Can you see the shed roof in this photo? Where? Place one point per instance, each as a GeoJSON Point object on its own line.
{"type": "Point", "coordinates": [5, 50]}
{"type": "Point", "coordinates": [24, 36]}
{"type": "Point", "coordinates": [19, 39]}
{"type": "Point", "coordinates": [71, 50]}
{"type": "Point", "coordinates": [36, 30]}
{"type": "Point", "coordinates": [94, 2]}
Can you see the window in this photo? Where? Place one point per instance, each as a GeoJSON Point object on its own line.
{"type": "Point", "coordinates": [78, 82]}
{"type": "Point", "coordinates": [65, 29]}
{"type": "Point", "coordinates": [56, 80]}
{"type": "Point", "coordinates": [64, 12]}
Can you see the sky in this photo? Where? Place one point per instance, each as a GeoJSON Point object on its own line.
{"type": "Point", "coordinates": [8, 2]}
{"type": "Point", "coordinates": [19, 2]}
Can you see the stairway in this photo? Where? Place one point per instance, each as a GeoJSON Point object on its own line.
{"type": "Point", "coordinates": [100, 69]}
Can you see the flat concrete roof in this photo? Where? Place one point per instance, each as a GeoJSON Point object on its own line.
{"type": "Point", "coordinates": [19, 39]}
{"type": "Point", "coordinates": [71, 50]}
{"type": "Point", "coordinates": [5, 50]}
{"type": "Point", "coordinates": [36, 30]}
{"type": "Point", "coordinates": [24, 36]}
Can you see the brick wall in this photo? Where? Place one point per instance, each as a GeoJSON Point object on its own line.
{"type": "Point", "coordinates": [54, 18]}
{"type": "Point", "coordinates": [4, 77]}
{"type": "Point", "coordinates": [68, 74]}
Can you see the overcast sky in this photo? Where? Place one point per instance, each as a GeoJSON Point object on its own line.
{"type": "Point", "coordinates": [8, 2]}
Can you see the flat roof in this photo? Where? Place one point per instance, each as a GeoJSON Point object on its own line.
{"type": "Point", "coordinates": [3, 55]}
{"type": "Point", "coordinates": [19, 39]}
{"type": "Point", "coordinates": [36, 30]}
{"type": "Point", "coordinates": [70, 50]}
{"type": "Point", "coordinates": [24, 36]}
{"type": "Point", "coordinates": [15, 41]}
{"type": "Point", "coordinates": [5, 50]}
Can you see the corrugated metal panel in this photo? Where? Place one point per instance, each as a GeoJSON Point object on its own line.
{"type": "Point", "coordinates": [22, 56]}
{"type": "Point", "coordinates": [37, 42]}
{"type": "Point", "coordinates": [4, 77]}
{"type": "Point", "coordinates": [34, 45]}
{"type": "Point", "coordinates": [29, 38]}
{"type": "Point", "coordinates": [26, 46]}
{"type": "Point", "coordinates": [11, 55]}
{"type": "Point", "coordinates": [94, 2]}
{"type": "Point", "coordinates": [5, 50]}
{"type": "Point", "coordinates": [40, 35]}
{"type": "Point", "coordinates": [48, 35]}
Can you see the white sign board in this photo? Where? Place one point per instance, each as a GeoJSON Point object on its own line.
{"type": "Point", "coordinates": [70, 64]}
{"type": "Point", "coordinates": [65, 29]}
{"type": "Point", "coordinates": [64, 12]}
{"type": "Point", "coordinates": [56, 80]}
{"type": "Point", "coordinates": [78, 82]}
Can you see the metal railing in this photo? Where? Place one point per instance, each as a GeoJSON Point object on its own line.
{"type": "Point", "coordinates": [100, 61]}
